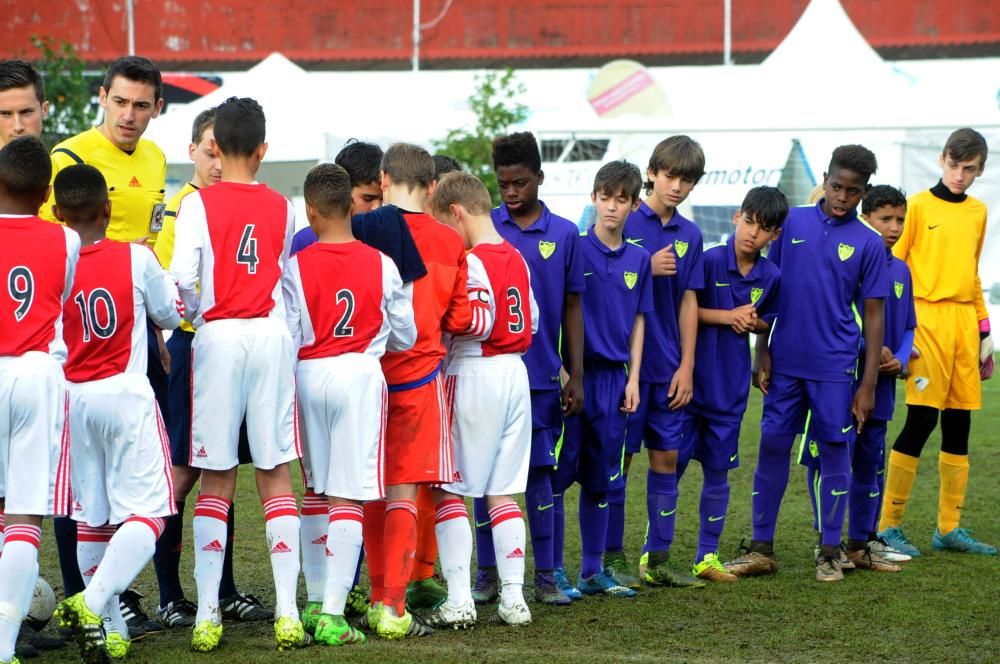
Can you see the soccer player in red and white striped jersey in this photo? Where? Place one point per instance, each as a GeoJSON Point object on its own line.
{"type": "Point", "coordinates": [489, 406]}
{"type": "Point", "coordinates": [346, 305]}
{"type": "Point", "coordinates": [120, 470]}
{"type": "Point", "coordinates": [233, 240]}
{"type": "Point", "coordinates": [37, 263]}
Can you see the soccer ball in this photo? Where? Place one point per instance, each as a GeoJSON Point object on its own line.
{"type": "Point", "coordinates": [43, 604]}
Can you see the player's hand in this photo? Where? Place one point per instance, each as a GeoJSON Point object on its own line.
{"type": "Point", "coordinates": [663, 262]}
{"type": "Point", "coordinates": [885, 357]}
{"type": "Point", "coordinates": [681, 388]}
{"type": "Point", "coordinates": [744, 319]}
{"type": "Point", "coordinates": [864, 401]}
{"type": "Point", "coordinates": [891, 368]}
{"type": "Point", "coordinates": [986, 361]}
{"type": "Point", "coordinates": [761, 376]}
{"type": "Point", "coordinates": [631, 401]}
{"type": "Point", "coordinates": [572, 394]}
{"type": "Point", "coordinates": [164, 353]}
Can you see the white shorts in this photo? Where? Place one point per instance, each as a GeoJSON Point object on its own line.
{"type": "Point", "coordinates": [490, 406]}
{"type": "Point", "coordinates": [243, 367]}
{"type": "Point", "coordinates": [120, 452]}
{"type": "Point", "coordinates": [34, 440]}
{"type": "Point", "coordinates": [343, 406]}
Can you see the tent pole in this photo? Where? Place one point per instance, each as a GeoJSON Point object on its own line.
{"type": "Point", "coordinates": [130, 11]}
{"type": "Point", "coordinates": [416, 36]}
{"type": "Point", "coordinates": [727, 32]}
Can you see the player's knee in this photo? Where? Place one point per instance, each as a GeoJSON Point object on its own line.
{"type": "Point", "coordinates": [496, 501]}
{"type": "Point", "coordinates": [663, 461]}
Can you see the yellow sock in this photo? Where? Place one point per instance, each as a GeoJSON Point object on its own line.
{"type": "Point", "coordinates": [901, 471]}
{"type": "Point", "coordinates": [954, 470]}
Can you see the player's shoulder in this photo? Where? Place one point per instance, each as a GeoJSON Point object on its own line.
{"type": "Point", "coordinates": [635, 252]}
{"type": "Point", "coordinates": [976, 205]}
{"type": "Point", "coordinates": [768, 270]}
{"type": "Point", "coordinates": [151, 151]}
{"type": "Point", "coordinates": [74, 149]}
{"type": "Point", "coordinates": [686, 227]}
{"type": "Point", "coordinates": [560, 225]}
{"type": "Point", "coordinates": [174, 202]}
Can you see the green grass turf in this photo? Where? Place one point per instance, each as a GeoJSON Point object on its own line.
{"type": "Point", "coordinates": [939, 608]}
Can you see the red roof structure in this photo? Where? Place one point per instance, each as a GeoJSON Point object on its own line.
{"type": "Point", "coordinates": [224, 34]}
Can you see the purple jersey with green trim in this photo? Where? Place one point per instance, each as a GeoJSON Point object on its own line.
{"type": "Point", "coordinates": [619, 286]}
{"type": "Point", "coordinates": [826, 265]}
{"type": "Point", "coordinates": [662, 349]}
{"type": "Point", "coordinates": [722, 357]}
{"type": "Point", "coordinates": [550, 247]}
{"type": "Point", "coordinates": [900, 316]}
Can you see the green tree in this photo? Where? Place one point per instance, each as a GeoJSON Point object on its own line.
{"type": "Point", "coordinates": [495, 105]}
{"type": "Point", "coordinates": [66, 88]}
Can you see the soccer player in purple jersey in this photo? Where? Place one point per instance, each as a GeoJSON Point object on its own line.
{"type": "Point", "coordinates": [616, 303]}
{"type": "Point", "coordinates": [829, 260]}
{"type": "Point", "coordinates": [740, 296]}
{"type": "Point", "coordinates": [550, 246]}
{"type": "Point", "coordinates": [666, 379]}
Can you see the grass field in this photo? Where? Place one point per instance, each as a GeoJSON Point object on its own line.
{"type": "Point", "coordinates": [940, 608]}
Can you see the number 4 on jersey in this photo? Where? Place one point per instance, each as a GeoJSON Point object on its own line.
{"type": "Point", "coordinates": [247, 252]}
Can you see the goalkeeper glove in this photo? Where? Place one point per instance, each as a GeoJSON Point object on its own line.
{"type": "Point", "coordinates": [986, 362]}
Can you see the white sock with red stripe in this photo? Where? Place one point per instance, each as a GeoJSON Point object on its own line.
{"type": "Point", "coordinates": [18, 571]}
{"type": "Point", "coordinates": [343, 548]}
{"type": "Point", "coordinates": [1, 529]}
{"type": "Point", "coordinates": [454, 536]}
{"type": "Point", "coordinates": [281, 522]}
{"type": "Point", "coordinates": [313, 533]}
{"type": "Point", "coordinates": [210, 516]}
{"type": "Point", "coordinates": [91, 543]}
{"type": "Point", "coordinates": [509, 543]}
{"type": "Point", "coordinates": [129, 551]}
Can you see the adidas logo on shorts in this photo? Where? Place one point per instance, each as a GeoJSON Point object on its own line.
{"type": "Point", "coordinates": [456, 476]}
{"type": "Point", "coordinates": [214, 545]}
{"type": "Point", "coordinates": [329, 553]}
{"type": "Point", "coordinates": [91, 572]}
{"type": "Point", "coordinates": [281, 547]}
{"type": "Point", "coordinates": [516, 553]}
{"type": "Point", "coordinates": [201, 453]}
{"type": "Point", "coordinates": [321, 540]}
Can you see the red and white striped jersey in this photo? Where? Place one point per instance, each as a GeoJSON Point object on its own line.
{"type": "Point", "coordinates": [232, 240]}
{"type": "Point", "coordinates": [346, 298]}
{"type": "Point", "coordinates": [504, 313]}
{"type": "Point", "coordinates": [117, 286]}
{"type": "Point", "coordinates": [37, 263]}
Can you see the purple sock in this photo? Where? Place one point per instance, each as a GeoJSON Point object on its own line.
{"type": "Point", "coordinates": [834, 486]}
{"type": "Point", "coordinates": [661, 506]}
{"type": "Point", "coordinates": [812, 476]}
{"type": "Point", "coordinates": [616, 516]}
{"type": "Point", "coordinates": [769, 483]}
{"type": "Point", "coordinates": [539, 504]}
{"type": "Point", "coordinates": [593, 531]}
{"type": "Point", "coordinates": [485, 555]}
{"type": "Point", "coordinates": [863, 501]}
{"type": "Point", "coordinates": [714, 503]}
{"type": "Point", "coordinates": [558, 530]}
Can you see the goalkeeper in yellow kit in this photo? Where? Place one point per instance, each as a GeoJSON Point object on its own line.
{"type": "Point", "coordinates": [941, 243]}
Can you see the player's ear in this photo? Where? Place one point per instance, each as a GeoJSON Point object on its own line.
{"type": "Point", "coordinates": [431, 187]}
{"type": "Point", "coordinates": [593, 197]}
{"type": "Point", "coordinates": [57, 213]}
{"type": "Point", "coordinates": [261, 151]}
{"type": "Point", "coordinates": [635, 204]}
{"type": "Point", "coordinates": [45, 109]}
{"type": "Point", "coordinates": [736, 218]}
{"type": "Point", "coordinates": [541, 177]}
{"type": "Point", "coordinates": [102, 97]}
{"type": "Point", "coordinates": [107, 212]}
{"type": "Point", "coordinates": [158, 107]}
{"type": "Point", "coordinates": [192, 148]}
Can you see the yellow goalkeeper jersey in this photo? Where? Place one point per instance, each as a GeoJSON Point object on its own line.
{"type": "Point", "coordinates": [165, 241]}
{"type": "Point", "coordinates": [136, 182]}
{"type": "Point", "coordinates": [941, 244]}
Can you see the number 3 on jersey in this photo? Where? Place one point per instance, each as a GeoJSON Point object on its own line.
{"type": "Point", "coordinates": [21, 287]}
{"type": "Point", "coordinates": [516, 310]}
{"type": "Point", "coordinates": [247, 251]}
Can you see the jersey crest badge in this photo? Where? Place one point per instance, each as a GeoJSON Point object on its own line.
{"type": "Point", "coordinates": [755, 294]}
{"type": "Point", "coordinates": [546, 248]}
{"type": "Point", "coordinates": [680, 248]}
{"type": "Point", "coordinates": [898, 288]}
{"type": "Point", "coordinates": [845, 251]}
{"type": "Point", "coordinates": [630, 279]}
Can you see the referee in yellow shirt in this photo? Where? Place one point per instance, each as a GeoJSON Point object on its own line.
{"type": "Point", "coordinates": [941, 243]}
{"type": "Point", "coordinates": [136, 173]}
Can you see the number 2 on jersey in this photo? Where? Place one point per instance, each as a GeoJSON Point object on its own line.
{"type": "Point", "coordinates": [247, 251]}
{"type": "Point", "coordinates": [343, 328]}
{"type": "Point", "coordinates": [21, 287]}
{"type": "Point", "coordinates": [92, 323]}
{"type": "Point", "coordinates": [514, 306]}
